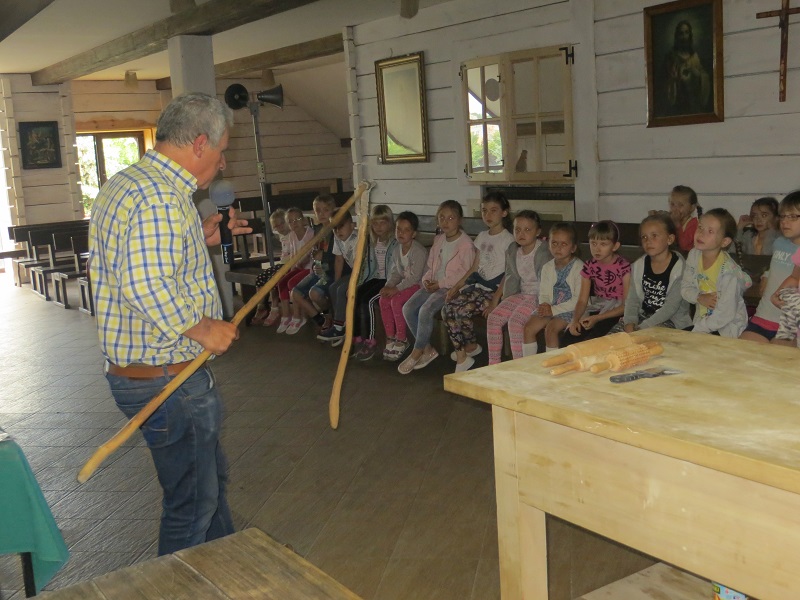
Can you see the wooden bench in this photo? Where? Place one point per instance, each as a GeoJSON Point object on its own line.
{"type": "Point", "coordinates": [80, 251]}
{"type": "Point", "coordinates": [40, 252]}
{"type": "Point", "coordinates": [59, 255]}
{"type": "Point", "coordinates": [245, 565]}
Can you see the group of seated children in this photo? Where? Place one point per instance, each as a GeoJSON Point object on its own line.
{"type": "Point", "coordinates": [530, 284]}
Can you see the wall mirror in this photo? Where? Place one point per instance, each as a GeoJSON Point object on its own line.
{"type": "Point", "coordinates": [401, 109]}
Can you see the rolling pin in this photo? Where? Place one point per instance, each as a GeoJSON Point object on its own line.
{"type": "Point", "coordinates": [599, 345]}
{"type": "Point", "coordinates": [628, 357]}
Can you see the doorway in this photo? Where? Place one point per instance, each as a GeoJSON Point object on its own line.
{"type": "Point", "coordinates": [100, 155]}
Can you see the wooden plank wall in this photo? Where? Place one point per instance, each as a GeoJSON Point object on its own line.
{"type": "Point", "coordinates": [295, 146]}
{"type": "Point", "coordinates": [450, 34]}
{"type": "Point", "coordinates": [111, 106]}
{"type": "Point", "coordinates": [39, 195]}
{"type": "Point", "coordinates": [751, 154]}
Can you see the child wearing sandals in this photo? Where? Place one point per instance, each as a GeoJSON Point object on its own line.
{"type": "Point", "coordinates": [559, 288]}
{"type": "Point", "coordinates": [408, 265]}
{"type": "Point", "coordinates": [295, 233]}
{"type": "Point", "coordinates": [450, 258]}
{"type": "Point", "coordinates": [524, 262]}
{"type": "Point", "coordinates": [478, 292]}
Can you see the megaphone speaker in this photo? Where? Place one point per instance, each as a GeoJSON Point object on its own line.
{"type": "Point", "coordinates": [272, 96]}
{"type": "Point", "coordinates": [237, 96]}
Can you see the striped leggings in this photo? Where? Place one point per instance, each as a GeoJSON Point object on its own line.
{"type": "Point", "coordinates": [515, 310]}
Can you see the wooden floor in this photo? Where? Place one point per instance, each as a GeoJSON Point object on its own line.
{"type": "Point", "coordinates": [398, 503]}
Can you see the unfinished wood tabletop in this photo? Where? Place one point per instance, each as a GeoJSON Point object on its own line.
{"type": "Point", "coordinates": [734, 407]}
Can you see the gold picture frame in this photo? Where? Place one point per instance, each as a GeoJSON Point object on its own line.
{"type": "Point", "coordinates": [402, 118]}
{"type": "Point", "coordinates": [683, 49]}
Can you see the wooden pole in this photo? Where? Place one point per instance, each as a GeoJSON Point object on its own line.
{"type": "Point", "coordinates": [352, 285]}
{"type": "Point", "coordinates": [139, 418]}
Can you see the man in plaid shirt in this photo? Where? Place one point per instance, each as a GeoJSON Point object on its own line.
{"type": "Point", "coordinates": [158, 308]}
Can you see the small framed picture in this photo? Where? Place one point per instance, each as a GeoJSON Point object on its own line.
{"type": "Point", "coordinates": [39, 145]}
{"type": "Point", "coordinates": [683, 48]}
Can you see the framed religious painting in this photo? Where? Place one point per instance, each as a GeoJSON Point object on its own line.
{"type": "Point", "coordinates": [39, 145]}
{"type": "Point", "coordinates": [683, 50]}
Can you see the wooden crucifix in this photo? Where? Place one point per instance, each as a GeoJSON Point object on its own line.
{"type": "Point", "coordinates": [783, 23]}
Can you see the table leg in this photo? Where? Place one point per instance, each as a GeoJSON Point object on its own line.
{"type": "Point", "coordinates": [27, 574]}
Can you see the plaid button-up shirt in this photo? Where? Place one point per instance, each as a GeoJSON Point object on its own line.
{"type": "Point", "coordinates": [150, 270]}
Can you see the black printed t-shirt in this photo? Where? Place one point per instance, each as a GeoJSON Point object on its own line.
{"type": "Point", "coordinates": [654, 286]}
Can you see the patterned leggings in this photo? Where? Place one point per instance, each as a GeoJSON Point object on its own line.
{"type": "Point", "coordinates": [515, 310]}
{"type": "Point", "coordinates": [458, 313]}
{"type": "Point", "coordinates": [790, 315]}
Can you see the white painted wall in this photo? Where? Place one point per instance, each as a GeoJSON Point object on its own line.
{"type": "Point", "coordinates": [295, 146]}
{"type": "Point", "coordinates": [450, 34]}
{"type": "Point", "coordinates": [625, 168]}
{"type": "Point", "coordinates": [753, 153]}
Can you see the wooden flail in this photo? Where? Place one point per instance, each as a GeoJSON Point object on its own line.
{"type": "Point", "coordinates": [612, 358]}
{"type": "Point", "coordinates": [600, 345]}
{"type": "Point", "coordinates": [626, 358]}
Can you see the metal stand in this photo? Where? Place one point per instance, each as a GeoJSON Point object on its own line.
{"type": "Point", "coordinates": [262, 178]}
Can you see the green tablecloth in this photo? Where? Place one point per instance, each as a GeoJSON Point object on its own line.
{"type": "Point", "coordinates": [26, 523]}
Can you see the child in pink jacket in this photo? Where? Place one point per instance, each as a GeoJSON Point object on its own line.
{"type": "Point", "coordinates": [450, 258]}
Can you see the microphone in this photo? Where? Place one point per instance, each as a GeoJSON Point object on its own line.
{"type": "Point", "coordinates": [221, 194]}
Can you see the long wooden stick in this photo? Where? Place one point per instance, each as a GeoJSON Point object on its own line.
{"type": "Point", "coordinates": [352, 285]}
{"type": "Point", "coordinates": [139, 418]}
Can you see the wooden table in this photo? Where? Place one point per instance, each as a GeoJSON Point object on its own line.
{"type": "Point", "coordinates": [26, 523]}
{"type": "Point", "coordinates": [700, 470]}
{"type": "Point", "coordinates": [247, 564]}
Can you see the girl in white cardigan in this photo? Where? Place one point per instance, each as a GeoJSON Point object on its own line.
{"type": "Point", "coordinates": [559, 288]}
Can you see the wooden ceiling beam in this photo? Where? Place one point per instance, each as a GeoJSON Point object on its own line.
{"type": "Point", "coordinates": [325, 46]}
{"type": "Point", "coordinates": [15, 13]}
{"type": "Point", "coordinates": [215, 16]}
{"type": "Point", "coordinates": [318, 48]}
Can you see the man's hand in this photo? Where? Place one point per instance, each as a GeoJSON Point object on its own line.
{"type": "Point", "coordinates": [211, 227]}
{"type": "Point", "coordinates": [214, 335]}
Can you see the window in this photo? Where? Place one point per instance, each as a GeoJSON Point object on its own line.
{"type": "Point", "coordinates": [519, 116]}
{"type": "Point", "coordinates": [100, 155]}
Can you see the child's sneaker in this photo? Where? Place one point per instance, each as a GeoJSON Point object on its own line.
{"type": "Point", "coordinates": [284, 324]}
{"type": "Point", "coordinates": [274, 317]}
{"type": "Point", "coordinates": [367, 351]}
{"type": "Point", "coordinates": [331, 334]}
{"type": "Point", "coordinates": [295, 326]}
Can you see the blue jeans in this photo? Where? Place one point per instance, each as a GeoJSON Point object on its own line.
{"type": "Point", "coordinates": [419, 313]}
{"type": "Point", "coordinates": [183, 437]}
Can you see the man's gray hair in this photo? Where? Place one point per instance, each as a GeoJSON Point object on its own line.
{"type": "Point", "coordinates": [190, 115]}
